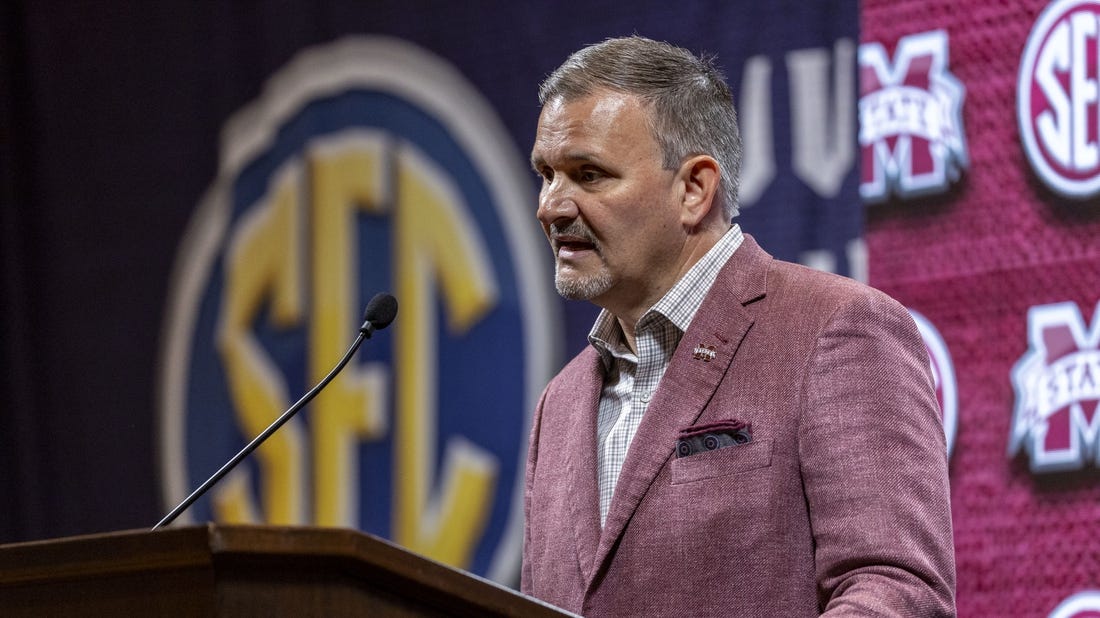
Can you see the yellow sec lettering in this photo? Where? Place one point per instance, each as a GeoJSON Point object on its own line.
{"type": "Point", "coordinates": [348, 176]}
{"type": "Point", "coordinates": [262, 265]}
{"type": "Point", "coordinates": [437, 250]}
{"type": "Point", "coordinates": [436, 247]}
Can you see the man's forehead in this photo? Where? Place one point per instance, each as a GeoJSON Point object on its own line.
{"type": "Point", "coordinates": [598, 101]}
{"type": "Point", "coordinates": [592, 119]}
{"type": "Point", "coordinates": [595, 105]}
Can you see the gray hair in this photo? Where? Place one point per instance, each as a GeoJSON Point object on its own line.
{"type": "Point", "coordinates": [690, 104]}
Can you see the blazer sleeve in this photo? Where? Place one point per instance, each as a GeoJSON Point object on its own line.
{"type": "Point", "coordinates": [874, 465]}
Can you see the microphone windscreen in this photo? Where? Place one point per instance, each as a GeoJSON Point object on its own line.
{"type": "Point", "coordinates": [381, 310]}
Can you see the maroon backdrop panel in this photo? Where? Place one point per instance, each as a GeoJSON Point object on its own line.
{"type": "Point", "coordinates": [1002, 258]}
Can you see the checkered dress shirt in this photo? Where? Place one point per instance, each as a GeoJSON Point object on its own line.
{"type": "Point", "coordinates": [631, 379]}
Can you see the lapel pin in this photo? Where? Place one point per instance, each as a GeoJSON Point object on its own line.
{"type": "Point", "coordinates": [705, 353]}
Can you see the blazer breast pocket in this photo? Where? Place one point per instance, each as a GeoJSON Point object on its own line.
{"type": "Point", "coordinates": [722, 462]}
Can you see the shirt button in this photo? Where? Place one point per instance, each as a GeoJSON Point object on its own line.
{"type": "Point", "coordinates": [646, 395]}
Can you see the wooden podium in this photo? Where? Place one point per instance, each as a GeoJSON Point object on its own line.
{"type": "Point", "coordinates": [217, 570]}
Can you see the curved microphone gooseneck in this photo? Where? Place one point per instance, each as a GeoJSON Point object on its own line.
{"type": "Point", "coordinates": [380, 312]}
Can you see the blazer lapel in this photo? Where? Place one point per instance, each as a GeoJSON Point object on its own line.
{"type": "Point", "coordinates": [687, 385]}
{"type": "Point", "coordinates": [580, 461]}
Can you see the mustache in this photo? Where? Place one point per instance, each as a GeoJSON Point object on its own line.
{"type": "Point", "coordinates": [576, 229]}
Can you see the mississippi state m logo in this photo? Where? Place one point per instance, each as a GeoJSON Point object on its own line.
{"type": "Point", "coordinates": [911, 135]}
{"type": "Point", "coordinates": [367, 165]}
{"type": "Point", "coordinates": [1057, 385]}
{"type": "Point", "coordinates": [1057, 98]}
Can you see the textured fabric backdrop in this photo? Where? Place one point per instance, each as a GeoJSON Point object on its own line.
{"type": "Point", "coordinates": [973, 260]}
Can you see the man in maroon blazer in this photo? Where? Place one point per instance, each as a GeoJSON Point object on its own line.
{"type": "Point", "coordinates": [744, 436]}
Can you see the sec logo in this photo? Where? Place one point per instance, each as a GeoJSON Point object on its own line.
{"type": "Point", "coordinates": [1057, 98]}
{"type": "Point", "coordinates": [366, 165]}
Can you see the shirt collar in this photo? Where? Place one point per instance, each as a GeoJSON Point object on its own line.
{"type": "Point", "coordinates": [679, 305]}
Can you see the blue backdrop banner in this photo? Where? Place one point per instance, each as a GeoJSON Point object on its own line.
{"type": "Point", "coordinates": [209, 193]}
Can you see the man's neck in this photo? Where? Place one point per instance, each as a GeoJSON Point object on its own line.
{"type": "Point", "coordinates": [628, 333]}
{"type": "Point", "coordinates": [629, 317]}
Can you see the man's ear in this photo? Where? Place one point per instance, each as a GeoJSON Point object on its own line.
{"type": "Point", "coordinates": [700, 176]}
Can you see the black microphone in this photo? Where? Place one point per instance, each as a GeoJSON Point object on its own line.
{"type": "Point", "coordinates": [380, 312]}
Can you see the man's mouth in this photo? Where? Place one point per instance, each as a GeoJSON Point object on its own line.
{"type": "Point", "coordinates": [569, 246]}
{"type": "Point", "coordinates": [573, 240]}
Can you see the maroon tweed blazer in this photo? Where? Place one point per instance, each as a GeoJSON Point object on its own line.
{"type": "Point", "coordinates": [838, 505]}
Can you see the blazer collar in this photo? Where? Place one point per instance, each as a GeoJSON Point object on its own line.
{"type": "Point", "coordinates": [722, 321]}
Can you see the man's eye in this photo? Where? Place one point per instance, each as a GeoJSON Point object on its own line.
{"type": "Point", "coordinates": [546, 174]}
{"type": "Point", "coordinates": [590, 175]}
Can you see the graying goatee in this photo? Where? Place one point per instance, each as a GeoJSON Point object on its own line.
{"type": "Point", "coordinates": [577, 286]}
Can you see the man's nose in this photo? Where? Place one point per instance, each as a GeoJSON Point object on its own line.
{"type": "Point", "coordinates": [556, 203]}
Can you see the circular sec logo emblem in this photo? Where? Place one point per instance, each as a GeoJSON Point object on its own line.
{"type": "Point", "coordinates": [943, 374]}
{"type": "Point", "coordinates": [1058, 98]}
{"type": "Point", "coordinates": [1081, 605]}
{"type": "Point", "coordinates": [367, 165]}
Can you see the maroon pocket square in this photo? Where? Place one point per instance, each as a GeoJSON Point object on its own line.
{"type": "Point", "coordinates": [712, 436]}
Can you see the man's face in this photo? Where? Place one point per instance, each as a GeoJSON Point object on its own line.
{"type": "Point", "coordinates": [607, 205]}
